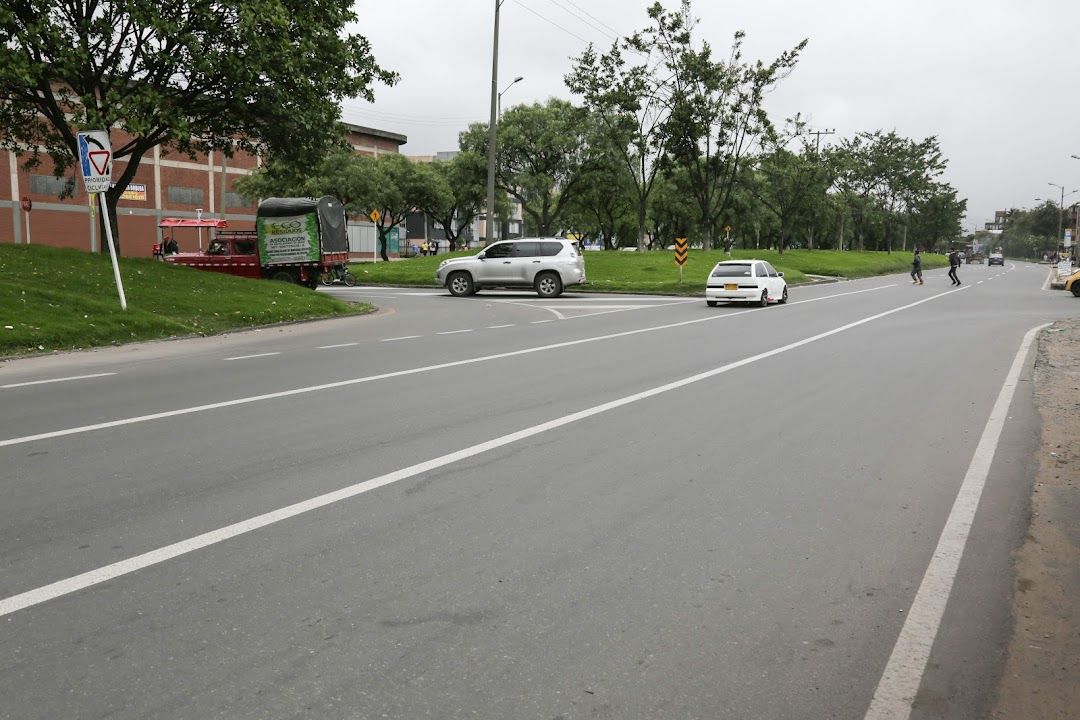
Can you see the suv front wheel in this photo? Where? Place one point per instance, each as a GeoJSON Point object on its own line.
{"type": "Point", "coordinates": [460, 284]}
{"type": "Point", "coordinates": [548, 285]}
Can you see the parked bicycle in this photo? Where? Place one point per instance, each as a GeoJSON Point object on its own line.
{"type": "Point", "coordinates": [338, 273]}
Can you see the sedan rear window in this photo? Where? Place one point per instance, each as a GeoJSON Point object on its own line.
{"type": "Point", "coordinates": [733, 270]}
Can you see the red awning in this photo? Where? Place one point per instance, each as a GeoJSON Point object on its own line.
{"type": "Point", "coordinates": [192, 222]}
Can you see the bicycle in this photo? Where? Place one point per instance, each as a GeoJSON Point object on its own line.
{"type": "Point", "coordinates": [338, 273]}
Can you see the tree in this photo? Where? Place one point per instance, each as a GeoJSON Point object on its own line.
{"type": "Point", "coordinates": [258, 75]}
{"type": "Point", "coordinates": [339, 174]}
{"type": "Point", "coordinates": [716, 106]}
{"type": "Point", "coordinates": [452, 193]}
{"type": "Point", "coordinates": [605, 208]}
{"type": "Point", "coordinates": [394, 195]}
{"type": "Point", "coordinates": [789, 185]}
{"type": "Point", "coordinates": [389, 185]}
{"type": "Point", "coordinates": [542, 150]}
{"type": "Point", "coordinates": [629, 102]}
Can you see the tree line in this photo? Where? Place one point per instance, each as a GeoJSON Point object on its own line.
{"type": "Point", "coordinates": [670, 139]}
{"type": "Point", "coordinates": [666, 137]}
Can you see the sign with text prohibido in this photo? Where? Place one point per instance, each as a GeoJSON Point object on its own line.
{"type": "Point", "coordinates": [95, 159]}
{"type": "Point", "coordinates": [680, 251]}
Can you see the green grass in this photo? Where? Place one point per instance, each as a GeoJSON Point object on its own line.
{"type": "Point", "coordinates": [656, 272]}
{"type": "Point", "coordinates": [57, 299]}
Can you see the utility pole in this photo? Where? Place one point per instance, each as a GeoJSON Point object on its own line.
{"type": "Point", "coordinates": [492, 126]}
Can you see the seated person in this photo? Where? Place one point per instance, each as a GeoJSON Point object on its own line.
{"type": "Point", "coordinates": [217, 247]}
{"type": "Point", "coordinates": [171, 246]}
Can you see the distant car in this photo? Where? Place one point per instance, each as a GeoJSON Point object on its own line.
{"type": "Point", "coordinates": [546, 265]}
{"type": "Point", "coordinates": [996, 258]}
{"type": "Point", "coordinates": [1072, 283]}
{"type": "Point", "coordinates": [749, 281]}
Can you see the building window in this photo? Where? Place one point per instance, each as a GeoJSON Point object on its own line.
{"type": "Point", "coordinates": [185, 195]}
{"type": "Point", "coordinates": [236, 200]}
{"type": "Point", "coordinates": [49, 185]}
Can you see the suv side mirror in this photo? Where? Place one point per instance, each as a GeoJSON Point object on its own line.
{"type": "Point", "coordinates": [481, 256]}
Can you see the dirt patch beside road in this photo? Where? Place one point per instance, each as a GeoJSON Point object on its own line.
{"type": "Point", "coordinates": [1042, 671]}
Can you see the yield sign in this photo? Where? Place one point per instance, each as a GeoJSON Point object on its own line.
{"type": "Point", "coordinates": [99, 161]}
{"type": "Point", "coordinates": [95, 157]}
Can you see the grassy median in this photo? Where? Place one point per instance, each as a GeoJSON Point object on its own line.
{"type": "Point", "coordinates": [57, 299]}
{"type": "Point", "coordinates": [656, 271]}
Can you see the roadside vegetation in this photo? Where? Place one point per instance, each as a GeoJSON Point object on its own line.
{"type": "Point", "coordinates": [656, 272]}
{"type": "Point", "coordinates": [60, 299]}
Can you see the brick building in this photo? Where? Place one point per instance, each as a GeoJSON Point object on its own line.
{"type": "Point", "coordinates": [167, 184]}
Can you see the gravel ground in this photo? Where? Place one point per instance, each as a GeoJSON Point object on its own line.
{"type": "Point", "coordinates": [1042, 671]}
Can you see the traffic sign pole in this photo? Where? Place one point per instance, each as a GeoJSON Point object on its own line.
{"type": "Point", "coordinates": [95, 159]}
{"type": "Point", "coordinates": [112, 250]}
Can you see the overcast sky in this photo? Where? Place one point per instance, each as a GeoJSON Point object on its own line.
{"type": "Point", "coordinates": [997, 81]}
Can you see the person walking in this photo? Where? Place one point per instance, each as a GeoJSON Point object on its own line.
{"type": "Point", "coordinates": [954, 262]}
{"type": "Point", "coordinates": [916, 268]}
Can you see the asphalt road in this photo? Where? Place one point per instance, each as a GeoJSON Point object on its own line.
{"type": "Point", "coordinates": [503, 507]}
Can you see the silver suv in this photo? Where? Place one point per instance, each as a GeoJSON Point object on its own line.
{"type": "Point", "coordinates": [545, 264]}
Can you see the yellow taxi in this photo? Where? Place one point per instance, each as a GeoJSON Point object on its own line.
{"type": "Point", "coordinates": [1072, 283]}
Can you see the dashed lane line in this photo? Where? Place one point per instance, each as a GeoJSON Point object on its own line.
{"type": "Point", "coordinates": [56, 380]}
{"type": "Point", "coordinates": [102, 574]}
{"type": "Point", "coordinates": [412, 371]}
{"type": "Point", "coordinates": [403, 337]}
{"type": "Point", "coordinates": [339, 345]}
{"type": "Point", "coordinates": [249, 357]}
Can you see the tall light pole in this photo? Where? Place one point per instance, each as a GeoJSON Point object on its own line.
{"type": "Point", "coordinates": [489, 226]}
{"type": "Point", "coordinates": [1061, 208]}
{"type": "Point", "coordinates": [515, 81]}
{"type": "Point", "coordinates": [1076, 215]}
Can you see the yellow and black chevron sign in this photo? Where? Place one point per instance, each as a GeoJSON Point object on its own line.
{"type": "Point", "coordinates": [680, 251]}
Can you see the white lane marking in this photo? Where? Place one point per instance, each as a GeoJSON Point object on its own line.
{"type": "Point", "coordinates": [339, 345]}
{"type": "Point", "coordinates": [55, 380]}
{"type": "Point", "coordinates": [453, 332]}
{"type": "Point", "coordinates": [1049, 277]}
{"type": "Point", "coordinates": [403, 337]}
{"type": "Point", "coordinates": [900, 682]}
{"type": "Point", "coordinates": [399, 373]}
{"type": "Point", "coordinates": [979, 283]}
{"type": "Point", "coordinates": [123, 567]}
{"type": "Point", "coordinates": [248, 357]}
{"type": "Point", "coordinates": [498, 327]}
{"type": "Point", "coordinates": [538, 322]}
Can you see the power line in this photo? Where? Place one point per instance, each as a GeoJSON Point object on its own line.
{"type": "Point", "coordinates": [552, 22]}
{"type": "Point", "coordinates": [586, 12]}
{"type": "Point", "coordinates": [580, 18]}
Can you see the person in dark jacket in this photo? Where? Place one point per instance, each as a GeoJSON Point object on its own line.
{"type": "Point", "coordinates": [954, 262]}
{"type": "Point", "coordinates": [916, 268]}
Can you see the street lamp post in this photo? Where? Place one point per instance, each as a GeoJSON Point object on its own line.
{"type": "Point", "coordinates": [1076, 217]}
{"type": "Point", "coordinates": [1061, 208]}
{"type": "Point", "coordinates": [515, 81]}
{"type": "Point", "coordinates": [489, 225]}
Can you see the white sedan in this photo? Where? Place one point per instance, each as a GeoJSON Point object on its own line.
{"type": "Point", "coordinates": [749, 281]}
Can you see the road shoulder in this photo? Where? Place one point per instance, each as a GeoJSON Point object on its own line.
{"type": "Point", "coordinates": [1043, 661]}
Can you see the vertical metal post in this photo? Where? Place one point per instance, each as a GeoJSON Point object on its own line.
{"type": "Point", "coordinates": [104, 207]}
{"type": "Point", "coordinates": [492, 126]}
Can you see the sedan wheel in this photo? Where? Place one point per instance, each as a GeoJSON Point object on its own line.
{"type": "Point", "coordinates": [783, 298]}
{"type": "Point", "coordinates": [711, 303]}
{"type": "Point", "coordinates": [764, 298]}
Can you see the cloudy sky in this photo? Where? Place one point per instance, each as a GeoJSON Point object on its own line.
{"type": "Point", "coordinates": [997, 81]}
